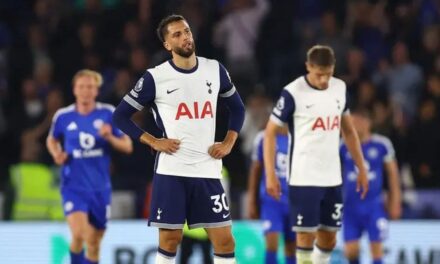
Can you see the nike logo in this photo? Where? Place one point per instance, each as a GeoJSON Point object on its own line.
{"type": "Point", "coordinates": [171, 91]}
{"type": "Point", "coordinates": [226, 215]}
{"type": "Point", "coordinates": [308, 106]}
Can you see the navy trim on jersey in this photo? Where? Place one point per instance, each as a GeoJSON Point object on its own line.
{"type": "Point", "coordinates": [225, 81]}
{"type": "Point", "coordinates": [312, 86]}
{"type": "Point", "coordinates": [171, 62]}
{"type": "Point", "coordinates": [285, 106]}
{"type": "Point", "coordinates": [158, 119]}
{"type": "Point", "coordinates": [291, 127]}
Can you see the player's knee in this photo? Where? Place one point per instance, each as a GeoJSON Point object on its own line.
{"type": "Point", "coordinates": [351, 251]}
{"type": "Point", "coordinates": [78, 236]}
{"type": "Point", "coordinates": [171, 242]}
{"type": "Point", "coordinates": [224, 243]}
{"type": "Point", "coordinates": [93, 245]}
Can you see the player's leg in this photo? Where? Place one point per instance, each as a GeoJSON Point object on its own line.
{"type": "Point", "coordinates": [168, 212]}
{"type": "Point", "coordinates": [186, 249]}
{"type": "Point", "coordinates": [304, 212]}
{"type": "Point", "coordinates": [209, 209]}
{"type": "Point", "coordinates": [99, 214]}
{"type": "Point", "coordinates": [223, 244]}
{"type": "Point", "coordinates": [272, 217]}
{"type": "Point", "coordinates": [351, 251]}
{"type": "Point", "coordinates": [75, 209]}
{"type": "Point", "coordinates": [330, 223]}
{"type": "Point", "coordinates": [289, 238]}
{"type": "Point", "coordinates": [353, 223]}
{"type": "Point", "coordinates": [377, 232]}
{"type": "Point", "coordinates": [77, 222]}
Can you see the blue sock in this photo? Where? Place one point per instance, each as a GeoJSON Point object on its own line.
{"type": "Point", "coordinates": [354, 261]}
{"type": "Point", "coordinates": [87, 261]}
{"type": "Point", "coordinates": [271, 257]}
{"type": "Point", "coordinates": [291, 260]}
{"type": "Point", "coordinates": [77, 258]}
{"type": "Point", "coordinates": [377, 261]}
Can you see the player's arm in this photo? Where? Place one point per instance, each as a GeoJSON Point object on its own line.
{"type": "Point", "coordinates": [142, 94]}
{"type": "Point", "coordinates": [394, 195]}
{"type": "Point", "coordinates": [52, 141]}
{"type": "Point", "coordinates": [353, 144]}
{"type": "Point", "coordinates": [282, 112]}
{"type": "Point", "coordinates": [253, 182]}
{"type": "Point", "coordinates": [122, 143]}
{"type": "Point", "coordinates": [254, 178]}
{"type": "Point", "coordinates": [229, 95]}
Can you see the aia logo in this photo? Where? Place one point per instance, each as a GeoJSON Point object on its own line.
{"type": "Point", "coordinates": [327, 123]}
{"type": "Point", "coordinates": [195, 111]}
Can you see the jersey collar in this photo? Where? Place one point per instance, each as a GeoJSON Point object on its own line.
{"type": "Point", "coordinates": [184, 70]}
{"type": "Point", "coordinates": [311, 85]}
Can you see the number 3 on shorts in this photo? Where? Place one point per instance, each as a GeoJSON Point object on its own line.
{"type": "Point", "coordinates": [338, 212]}
{"type": "Point", "coordinates": [219, 205]}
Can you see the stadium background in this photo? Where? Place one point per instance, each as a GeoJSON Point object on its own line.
{"type": "Point", "coordinates": [388, 52]}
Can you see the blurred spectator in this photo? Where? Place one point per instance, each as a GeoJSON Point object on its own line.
{"type": "Point", "coordinates": [366, 95]}
{"type": "Point", "coordinates": [430, 48]}
{"type": "Point", "coordinates": [355, 70]}
{"type": "Point", "coordinates": [403, 80]}
{"type": "Point", "coordinates": [237, 33]}
{"type": "Point", "coordinates": [139, 62]}
{"type": "Point", "coordinates": [121, 85]}
{"type": "Point", "coordinates": [434, 90]}
{"type": "Point", "coordinates": [424, 147]}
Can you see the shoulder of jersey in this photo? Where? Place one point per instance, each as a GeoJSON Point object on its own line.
{"type": "Point", "coordinates": [63, 111]}
{"type": "Point", "coordinates": [383, 140]}
{"type": "Point", "coordinates": [259, 137]}
{"type": "Point", "coordinates": [104, 106]}
{"type": "Point", "coordinates": [295, 84]}
{"type": "Point", "coordinates": [338, 82]}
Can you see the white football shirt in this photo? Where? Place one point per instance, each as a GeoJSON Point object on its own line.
{"type": "Point", "coordinates": [314, 120]}
{"type": "Point", "coordinates": [184, 104]}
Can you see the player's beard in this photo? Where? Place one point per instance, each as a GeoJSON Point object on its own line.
{"type": "Point", "coordinates": [186, 53]}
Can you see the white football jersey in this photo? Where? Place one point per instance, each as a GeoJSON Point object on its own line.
{"type": "Point", "coordinates": [184, 104]}
{"type": "Point", "coordinates": [314, 120]}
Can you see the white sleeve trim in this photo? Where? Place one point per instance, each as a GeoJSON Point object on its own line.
{"type": "Point", "coordinates": [276, 120]}
{"type": "Point", "coordinates": [133, 103]}
{"type": "Point", "coordinates": [228, 93]}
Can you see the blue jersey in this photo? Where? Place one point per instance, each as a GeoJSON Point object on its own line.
{"type": "Point", "coordinates": [88, 164]}
{"type": "Point", "coordinates": [280, 165]}
{"type": "Point", "coordinates": [377, 150]}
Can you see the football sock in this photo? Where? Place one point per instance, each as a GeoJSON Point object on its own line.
{"type": "Point", "coordinates": [304, 255]}
{"type": "Point", "coordinates": [77, 258]}
{"type": "Point", "coordinates": [271, 257]}
{"type": "Point", "coordinates": [228, 258]}
{"type": "Point", "coordinates": [165, 257]}
{"type": "Point", "coordinates": [321, 256]}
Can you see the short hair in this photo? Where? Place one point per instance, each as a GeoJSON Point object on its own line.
{"type": "Point", "coordinates": [162, 28]}
{"type": "Point", "coordinates": [321, 55]}
{"type": "Point", "coordinates": [86, 72]}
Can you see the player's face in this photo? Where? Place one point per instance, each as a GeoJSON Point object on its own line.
{"type": "Point", "coordinates": [85, 90]}
{"type": "Point", "coordinates": [179, 39]}
{"type": "Point", "coordinates": [319, 76]}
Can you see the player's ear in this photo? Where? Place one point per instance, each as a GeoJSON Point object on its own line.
{"type": "Point", "coordinates": [308, 66]}
{"type": "Point", "coordinates": [167, 46]}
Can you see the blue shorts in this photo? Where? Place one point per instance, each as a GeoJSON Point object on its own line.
{"type": "Point", "coordinates": [370, 219]}
{"type": "Point", "coordinates": [275, 217]}
{"type": "Point", "coordinates": [200, 202]}
{"type": "Point", "coordinates": [95, 204]}
{"type": "Point", "coordinates": [314, 208]}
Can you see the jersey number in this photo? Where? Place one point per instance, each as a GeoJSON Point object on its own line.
{"type": "Point", "coordinates": [338, 211]}
{"type": "Point", "coordinates": [219, 203]}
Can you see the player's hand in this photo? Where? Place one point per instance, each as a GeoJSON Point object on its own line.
{"type": "Point", "coordinates": [60, 158]}
{"type": "Point", "coordinates": [167, 145]}
{"type": "Point", "coordinates": [252, 208]}
{"type": "Point", "coordinates": [395, 210]}
{"type": "Point", "coordinates": [106, 131]}
{"type": "Point", "coordinates": [219, 150]}
{"type": "Point", "coordinates": [273, 187]}
{"type": "Point", "coordinates": [362, 183]}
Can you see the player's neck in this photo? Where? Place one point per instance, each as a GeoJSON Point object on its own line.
{"type": "Point", "coordinates": [86, 108]}
{"type": "Point", "coordinates": [185, 63]}
{"type": "Point", "coordinates": [364, 137]}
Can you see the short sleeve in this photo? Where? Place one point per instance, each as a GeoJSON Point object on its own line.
{"type": "Point", "coordinates": [227, 88]}
{"type": "Point", "coordinates": [143, 93]}
{"type": "Point", "coordinates": [389, 153]}
{"type": "Point", "coordinates": [284, 108]}
{"type": "Point", "coordinates": [56, 130]}
{"type": "Point", "coordinates": [347, 104]}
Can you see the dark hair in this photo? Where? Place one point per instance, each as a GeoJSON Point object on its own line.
{"type": "Point", "coordinates": [321, 56]}
{"type": "Point", "coordinates": [162, 28]}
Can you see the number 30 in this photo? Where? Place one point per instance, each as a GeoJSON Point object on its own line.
{"type": "Point", "coordinates": [219, 205]}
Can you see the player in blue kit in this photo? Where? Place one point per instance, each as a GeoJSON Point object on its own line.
{"type": "Point", "coordinates": [274, 213]}
{"type": "Point", "coordinates": [315, 109]}
{"type": "Point", "coordinates": [183, 94]}
{"type": "Point", "coordinates": [369, 215]}
{"type": "Point", "coordinates": [80, 140]}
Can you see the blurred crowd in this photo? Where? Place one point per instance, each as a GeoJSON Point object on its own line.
{"type": "Point", "coordinates": [388, 53]}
